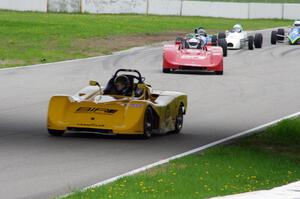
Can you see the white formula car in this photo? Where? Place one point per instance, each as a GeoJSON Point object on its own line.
{"type": "Point", "coordinates": [237, 38]}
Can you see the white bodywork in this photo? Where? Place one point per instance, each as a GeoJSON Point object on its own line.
{"type": "Point", "coordinates": [236, 40]}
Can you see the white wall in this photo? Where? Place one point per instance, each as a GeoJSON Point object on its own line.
{"type": "Point", "coordinates": [64, 5]}
{"type": "Point", "coordinates": [164, 7]}
{"type": "Point", "coordinates": [291, 11]}
{"type": "Point", "coordinates": [265, 10]}
{"type": "Point", "coordinates": [215, 9]}
{"type": "Point", "coordinates": [160, 7]}
{"type": "Point", "coordinates": [24, 5]}
{"type": "Point", "coordinates": [114, 6]}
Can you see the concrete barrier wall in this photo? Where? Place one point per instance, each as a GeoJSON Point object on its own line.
{"type": "Point", "coordinates": [160, 7]}
{"type": "Point", "coordinates": [164, 7]}
{"type": "Point", "coordinates": [24, 5]}
{"type": "Point", "coordinates": [215, 9]}
{"type": "Point", "coordinates": [64, 5]}
{"type": "Point", "coordinates": [114, 6]}
{"type": "Point", "coordinates": [265, 11]}
{"type": "Point", "coordinates": [291, 11]}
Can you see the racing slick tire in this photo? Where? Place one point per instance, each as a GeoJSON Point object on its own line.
{"type": "Point", "coordinates": [166, 70]}
{"type": "Point", "coordinates": [221, 35]}
{"type": "Point", "coordinates": [148, 123]}
{"type": "Point", "coordinates": [258, 40]}
{"type": "Point", "coordinates": [250, 42]}
{"type": "Point", "coordinates": [214, 40]}
{"type": "Point", "coordinates": [223, 44]}
{"type": "Point", "coordinates": [280, 32]}
{"type": "Point", "coordinates": [273, 37]}
{"type": "Point", "coordinates": [219, 72]}
{"type": "Point", "coordinates": [179, 120]}
{"type": "Point", "coordinates": [56, 133]}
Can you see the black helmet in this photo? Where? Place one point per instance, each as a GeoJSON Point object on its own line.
{"type": "Point", "coordinates": [121, 82]}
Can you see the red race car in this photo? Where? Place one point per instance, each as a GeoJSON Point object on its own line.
{"type": "Point", "coordinates": [192, 54]}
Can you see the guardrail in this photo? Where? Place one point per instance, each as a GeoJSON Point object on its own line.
{"type": "Point", "coordinates": [161, 7]}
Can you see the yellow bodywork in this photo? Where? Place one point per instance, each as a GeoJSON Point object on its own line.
{"type": "Point", "coordinates": [90, 110]}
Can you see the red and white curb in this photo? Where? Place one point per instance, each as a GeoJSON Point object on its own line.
{"type": "Point", "coordinates": [144, 168]}
{"type": "Point", "coordinates": [290, 191]}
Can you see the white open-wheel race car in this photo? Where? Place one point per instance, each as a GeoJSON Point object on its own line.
{"type": "Point", "coordinates": [237, 38]}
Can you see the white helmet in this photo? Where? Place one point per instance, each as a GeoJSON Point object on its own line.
{"type": "Point", "coordinates": [193, 43]}
{"type": "Point", "coordinates": [237, 28]}
{"type": "Point", "coordinates": [297, 23]}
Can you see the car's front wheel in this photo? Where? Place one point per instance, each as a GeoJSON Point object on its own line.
{"type": "Point", "coordinates": [250, 42]}
{"type": "Point", "coordinates": [56, 133]}
{"type": "Point", "coordinates": [179, 120]}
{"type": "Point", "coordinates": [223, 45]}
{"type": "Point", "coordinates": [148, 123]}
{"type": "Point", "coordinates": [166, 70]}
{"type": "Point", "coordinates": [273, 37]}
{"type": "Point", "coordinates": [258, 40]}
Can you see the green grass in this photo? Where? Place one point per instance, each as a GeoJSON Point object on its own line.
{"type": "Point", "coordinates": [31, 38]}
{"type": "Point", "coordinates": [255, 1]}
{"type": "Point", "coordinates": [261, 161]}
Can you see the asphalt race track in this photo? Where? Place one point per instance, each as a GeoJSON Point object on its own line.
{"type": "Point", "coordinates": [257, 87]}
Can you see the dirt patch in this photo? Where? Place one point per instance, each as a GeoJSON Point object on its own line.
{"type": "Point", "coordinates": [11, 62]}
{"type": "Point", "coordinates": [100, 46]}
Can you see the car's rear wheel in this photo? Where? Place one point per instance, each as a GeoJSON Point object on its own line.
{"type": "Point", "coordinates": [223, 44]}
{"type": "Point", "coordinates": [214, 40]}
{"type": "Point", "coordinates": [280, 33]}
{"type": "Point", "coordinates": [179, 120]}
{"type": "Point", "coordinates": [219, 72]}
{"type": "Point", "coordinates": [56, 133]}
{"type": "Point", "coordinates": [250, 42]}
{"type": "Point", "coordinates": [273, 37]}
{"type": "Point", "coordinates": [221, 35]}
{"type": "Point", "coordinates": [148, 123]}
{"type": "Point", "coordinates": [258, 40]}
{"type": "Point", "coordinates": [166, 70]}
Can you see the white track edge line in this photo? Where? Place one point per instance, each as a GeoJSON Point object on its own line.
{"type": "Point", "coordinates": [144, 168]}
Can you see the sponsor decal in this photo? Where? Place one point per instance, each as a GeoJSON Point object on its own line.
{"type": "Point", "coordinates": [136, 105]}
{"type": "Point", "coordinates": [96, 110]}
{"type": "Point", "coordinates": [90, 125]}
{"type": "Point", "coordinates": [193, 57]}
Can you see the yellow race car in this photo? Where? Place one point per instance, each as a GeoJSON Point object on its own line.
{"type": "Point", "coordinates": [140, 110]}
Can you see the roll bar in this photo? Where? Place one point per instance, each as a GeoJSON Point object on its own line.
{"type": "Point", "coordinates": [139, 77]}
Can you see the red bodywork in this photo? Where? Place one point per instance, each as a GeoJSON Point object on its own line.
{"type": "Point", "coordinates": [210, 58]}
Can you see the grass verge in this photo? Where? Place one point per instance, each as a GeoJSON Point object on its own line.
{"type": "Point", "coordinates": [261, 161]}
{"type": "Point", "coordinates": [32, 38]}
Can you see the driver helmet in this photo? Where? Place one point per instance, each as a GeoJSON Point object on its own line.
{"type": "Point", "coordinates": [237, 28]}
{"type": "Point", "coordinates": [202, 32]}
{"type": "Point", "coordinates": [297, 23]}
{"type": "Point", "coordinates": [121, 83]}
{"type": "Point", "coordinates": [193, 43]}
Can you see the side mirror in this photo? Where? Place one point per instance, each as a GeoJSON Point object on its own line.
{"type": "Point", "coordinates": [94, 83]}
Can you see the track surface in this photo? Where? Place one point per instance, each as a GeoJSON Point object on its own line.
{"type": "Point", "coordinates": [257, 87]}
